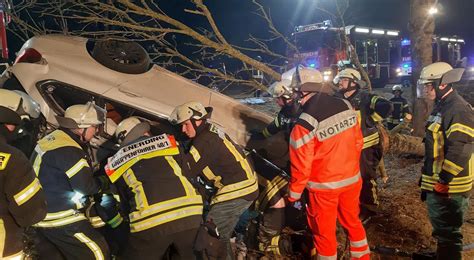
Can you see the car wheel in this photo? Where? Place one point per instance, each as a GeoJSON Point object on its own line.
{"type": "Point", "coordinates": [122, 56]}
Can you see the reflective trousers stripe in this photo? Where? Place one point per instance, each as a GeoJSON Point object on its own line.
{"type": "Point", "coordinates": [91, 245]}
{"type": "Point", "coordinates": [334, 184]}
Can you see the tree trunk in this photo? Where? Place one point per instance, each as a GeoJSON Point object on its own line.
{"type": "Point", "coordinates": [421, 27]}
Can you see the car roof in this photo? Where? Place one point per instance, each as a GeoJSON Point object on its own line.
{"type": "Point", "coordinates": [156, 91]}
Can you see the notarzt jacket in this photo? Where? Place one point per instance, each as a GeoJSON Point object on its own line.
{"type": "Point", "coordinates": [449, 146]}
{"type": "Point", "coordinates": [400, 110]}
{"type": "Point", "coordinates": [22, 202]}
{"type": "Point", "coordinates": [216, 158]}
{"type": "Point", "coordinates": [325, 146]}
{"type": "Point", "coordinates": [63, 168]}
{"type": "Point", "coordinates": [156, 194]}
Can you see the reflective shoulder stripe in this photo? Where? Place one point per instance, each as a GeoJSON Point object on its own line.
{"type": "Point", "coordinates": [376, 117]}
{"type": "Point", "coordinates": [309, 119]}
{"type": "Point", "coordinates": [137, 188]}
{"type": "Point", "coordinates": [266, 133]}
{"type": "Point", "coordinates": [55, 140]}
{"type": "Point", "coordinates": [334, 184]}
{"type": "Point", "coordinates": [91, 245]}
{"type": "Point", "coordinates": [28, 192]}
{"type": "Point", "coordinates": [4, 158]}
{"type": "Point", "coordinates": [77, 168]}
{"type": "Point", "coordinates": [451, 167]}
{"type": "Point", "coordinates": [188, 187]}
{"type": "Point", "coordinates": [195, 153]}
{"type": "Point", "coordinates": [212, 177]}
{"type": "Point", "coordinates": [303, 140]}
{"type": "Point", "coordinates": [458, 127]}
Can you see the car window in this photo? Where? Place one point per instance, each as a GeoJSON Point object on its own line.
{"type": "Point", "coordinates": [60, 96]}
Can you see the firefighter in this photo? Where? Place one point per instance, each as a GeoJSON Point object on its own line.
{"type": "Point", "coordinates": [285, 119]}
{"type": "Point", "coordinates": [325, 147]}
{"type": "Point", "coordinates": [220, 163]}
{"type": "Point", "coordinates": [22, 202]}
{"type": "Point", "coordinates": [401, 110]}
{"type": "Point", "coordinates": [270, 204]}
{"type": "Point", "coordinates": [371, 109]}
{"type": "Point", "coordinates": [447, 172]}
{"type": "Point", "coordinates": [63, 166]}
{"type": "Point", "coordinates": [163, 207]}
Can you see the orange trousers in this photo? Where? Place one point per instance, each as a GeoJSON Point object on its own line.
{"type": "Point", "coordinates": [323, 210]}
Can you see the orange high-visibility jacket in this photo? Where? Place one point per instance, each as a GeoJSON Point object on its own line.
{"type": "Point", "coordinates": [325, 146]}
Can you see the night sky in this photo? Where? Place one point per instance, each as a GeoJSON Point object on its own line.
{"type": "Point", "coordinates": [236, 19]}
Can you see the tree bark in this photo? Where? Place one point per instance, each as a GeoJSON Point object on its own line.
{"type": "Point", "coordinates": [421, 27]}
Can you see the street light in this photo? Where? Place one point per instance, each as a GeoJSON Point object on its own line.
{"type": "Point", "coordinates": [433, 10]}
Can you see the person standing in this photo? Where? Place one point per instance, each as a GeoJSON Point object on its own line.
{"type": "Point", "coordinates": [325, 147]}
{"type": "Point", "coordinates": [22, 201]}
{"type": "Point", "coordinates": [64, 169]}
{"type": "Point", "coordinates": [446, 179]}
{"type": "Point", "coordinates": [163, 207]}
{"type": "Point", "coordinates": [215, 160]}
{"type": "Point", "coordinates": [401, 110]}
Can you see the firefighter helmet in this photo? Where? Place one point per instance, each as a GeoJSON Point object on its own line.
{"type": "Point", "coordinates": [20, 103]}
{"type": "Point", "coordinates": [281, 89]}
{"type": "Point", "coordinates": [348, 73]}
{"type": "Point", "coordinates": [440, 71]}
{"type": "Point", "coordinates": [82, 116]}
{"type": "Point", "coordinates": [190, 110]}
{"type": "Point", "coordinates": [308, 80]}
{"type": "Point", "coordinates": [130, 129]}
{"type": "Point", "coordinates": [397, 88]}
{"type": "Point", "coordinates": [9, 104]}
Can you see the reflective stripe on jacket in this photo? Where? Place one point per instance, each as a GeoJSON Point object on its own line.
{"type": "Point", "coordinates": [157, 195]}
{"type": "Point", "coordinates": [63, 168]}
{"type": "Point", "coordinates": [325, 146]}
{"type": "Point", "coordinates": [449, 146]}
{"type": "Point", "coordinates": [215, 157]}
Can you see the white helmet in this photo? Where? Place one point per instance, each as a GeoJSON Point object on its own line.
{"type": "Point", "coordinates": [308, 80]}
{"type": "Point", "coordinates": [190, 110]}
{"type": "Point", "coordinates": [348, 73]}
{"type": "Point", "coordinates": [82, 116]}
{"type": "Point", "coordinates": [281, 89]}
{"type": "Point", "coordinates": [440, 70]}
{"type": "Point", "coordinates": [19, 102]}
{"type": "Point", "coordinates": [130, 129]}
{"type": "Point", "coordinates": [397, 88]}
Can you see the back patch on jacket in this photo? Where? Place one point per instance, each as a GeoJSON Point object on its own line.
{"type": "Point", "coordinates": [4, 157]}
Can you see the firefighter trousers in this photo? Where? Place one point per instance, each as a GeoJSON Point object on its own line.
{"type": "Point", "coordinates": [342, 204]}
{"type": "Point", "coordinates": [369, 162]}
{"type": "Point", "coordinates": [147, 245]}
{"type": "Point", "coordinates": [447, 216]}
{"type": "Point", "coordinates": [271, 224]}
{"type": "Point", "coordinates": [78, 240]}
{"type": "Point", "coordinates": [226, 215]}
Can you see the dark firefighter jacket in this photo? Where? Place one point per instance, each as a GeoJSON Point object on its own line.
{"type": "Point", "coordinates": [216, 158]}
{"type": "Point", "coordinates": [449, 145]}
{"type": "Point", "coordinates": [371, 110]}
{"type": "Point", "coordinates": [400, 110]}
{"type": "Point", "coordinates": [282, 122]}
{"type": "Point", "coordinates": [22, 201]}
{"type": "Point", "coordinates": [156, 195]}
{"type": "Point", "coordinates": [63, 168]}
{"type": "Point", "coordinates": [271, 183]}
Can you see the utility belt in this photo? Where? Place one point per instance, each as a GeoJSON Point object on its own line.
{"type": "Point", "coordinates": [61, 218]}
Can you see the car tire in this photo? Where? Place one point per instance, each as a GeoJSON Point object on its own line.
{"type": "Point", "coordinates": [122, 56]}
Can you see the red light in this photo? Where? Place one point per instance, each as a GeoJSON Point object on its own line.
{"type": "Point", "coordinates": [29, 55]}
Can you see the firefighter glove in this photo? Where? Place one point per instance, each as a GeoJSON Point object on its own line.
{"type": "Point", "coordinates": [441, 188]}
